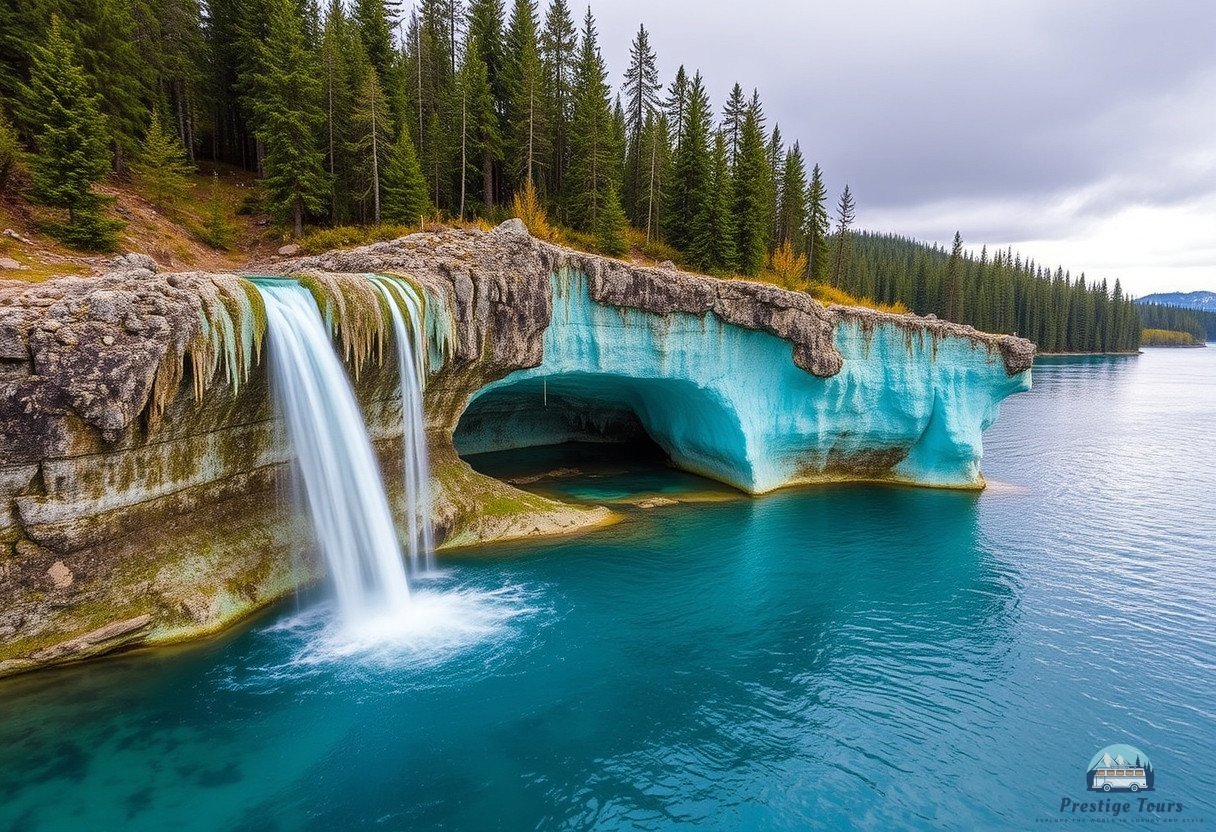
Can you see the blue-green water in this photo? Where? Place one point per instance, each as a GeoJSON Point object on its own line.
{"type": "Point", "coordinates": [854, 657]}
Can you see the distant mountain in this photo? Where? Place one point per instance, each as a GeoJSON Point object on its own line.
{"type": "Point", "coordinates": [1204, 301]}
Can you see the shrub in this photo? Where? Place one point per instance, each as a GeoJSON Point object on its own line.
{"type": "Point", "coordinates": [789, 267]}
{"type": "Point", "coordinates": [1168, 338]}
{"type": "Point", "coordinates": [162, 165]}
{"type": "Point", "coordinates": [217, 230]}
{"type": "Point", "coordinates": [829, 295]}
{"type": "Point", "coordinates": [526, 206]}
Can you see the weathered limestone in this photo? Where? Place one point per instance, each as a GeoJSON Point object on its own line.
{"type": "Point", "coordinates": [142, 470]}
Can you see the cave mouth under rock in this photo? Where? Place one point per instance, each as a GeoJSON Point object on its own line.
{"type": "Point", "coordinates": [520, 430]}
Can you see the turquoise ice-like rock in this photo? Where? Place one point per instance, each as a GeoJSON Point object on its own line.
{"type": "Point", "coordinates": [908, 405]}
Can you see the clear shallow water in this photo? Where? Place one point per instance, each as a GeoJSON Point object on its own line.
{"type": "Point", "coordinates": [856, 657]}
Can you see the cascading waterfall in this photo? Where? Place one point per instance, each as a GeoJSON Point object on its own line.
{"type": "Point", "coordinates": [339, 470]}
{"type": "Point", "coordinates": [407, 311]}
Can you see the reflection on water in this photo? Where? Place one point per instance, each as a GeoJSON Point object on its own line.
{"type": "Point", "coordinates": [846, 657]}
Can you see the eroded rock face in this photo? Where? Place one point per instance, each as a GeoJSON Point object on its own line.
{"type": "Point", "coordinates": [141, 466]}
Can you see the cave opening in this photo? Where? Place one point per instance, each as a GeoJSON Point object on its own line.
{"type": "Point", "coordinates": [555, 425]}
{"type": "Point", "coordinates": [594, 424]}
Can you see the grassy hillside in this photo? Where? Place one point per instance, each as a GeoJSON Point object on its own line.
{"type": "Point", "coordinates": [173, 234]}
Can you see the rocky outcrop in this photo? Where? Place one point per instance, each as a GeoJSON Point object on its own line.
{"type": "Point", "coordinates": [142, 468]}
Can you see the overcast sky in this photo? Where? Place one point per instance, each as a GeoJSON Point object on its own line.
{"type": "Point", "coordinates": [1082, 132]}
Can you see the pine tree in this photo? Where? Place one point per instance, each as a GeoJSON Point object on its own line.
{"type": "Point", "coordinates": [733, 117]}
{"type": "Point", "coordinates": [486, 36]}
{"type": "Point", "coordinates": [714, 247]}
{"type": "Point", "coordinates": [371, 21]}
{"type": "Point", "coordinates": [116, 68]}
{"type": "Point", "coordinates": [559, 42]}
{"type": "Point", "coordinates": [485, 32]}
{"type": "Point", "coordinates": [289, 119]}
{"type": "Point", "coordinates": [610, 225]}
{"type": "Point", "coordinates": [436, 104]}
{"type": "Point", "coordinates": [792, 215]}
{"type": "Point", "coordinates": [846, 212]}
{"type": "Point", "coordinates": [691, 179]}
{"type": "Point", "coordinates": [70, 140]}
{"type": "Point", "coordinates": [480, 141]}
{"type": "Point", "coordinates": [594, 163]}
{"type": "Point", "coordinates": [217, 230]}
{"type": "Point", "coordinates": [371, 138]}
{"type": "Point", "coordinates": [817, 227]}
{"type": "Point", "coordinates": [776, 165]}
{"type": "Point", "coordinates": [525, 79]}
{"type": "Point", "coordinates": [337, 102]}
{"type": "Point", "coordinates": [641, 104]}
{"type": "Point", "coordinates": [675, 105]}
{"type": "Point", "coordinates": [404, 189]}
{"type": "Point", "coordinates": [953, 287]}
{"type": "Point", "coordinates": [656, 146]}
{"type": "Point", "coordinates": [162, 165]}
{"type": "Point", "coordinates": [178, 60]}
{"type": "Point", "coordinates": [10, 152]}
{"type": "Point", "coordinates": [752, 204]}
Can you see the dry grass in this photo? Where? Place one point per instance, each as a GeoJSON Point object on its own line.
{"type": "Point", "coordinates": [829, 295]}
{"type": "Point", "coordinates": [351, 236]}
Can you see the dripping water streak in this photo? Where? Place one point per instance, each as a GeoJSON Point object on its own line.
{"type": "Point", "coordinates": [408, 329]}
{"type": "Point", "coordinates": [341, 478]}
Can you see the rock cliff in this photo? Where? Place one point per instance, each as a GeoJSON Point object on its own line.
{"type": "Point", "coordinates": [142, 468]}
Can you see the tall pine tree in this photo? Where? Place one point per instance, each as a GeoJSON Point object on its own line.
{"type": "Point", "coordinates": [691, 177]}
{"type": "Point", "coordinates": [70, 140]}
{"type": "Point", "coordinates": [817, 228]}
{"type": "Point", "coordinates": [289, 119]}
{"type": "Point", "coordinates": [752, 202]}
{"type": "Point", "coordinates": [641, 103]}
{"type": "Point", "coordinates": [594, 162]}
{"type": "Point", "coordinates": [526, 110]}
{"type": "Point", "coordinates": [404, 191]}
{"type": "Point", "coordinates": [846, 212]}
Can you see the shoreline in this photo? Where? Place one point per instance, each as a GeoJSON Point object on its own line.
{"type": "Point", "coordinates": [1094, 354]}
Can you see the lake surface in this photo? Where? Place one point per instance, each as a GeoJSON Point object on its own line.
{"type": "Point", "coordinates": [857, 657]}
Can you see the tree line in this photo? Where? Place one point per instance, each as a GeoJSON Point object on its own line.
{"type": "Point", "coordinates": [359, 113]}
{"type": "Point", "coordinates": [994, 292]}
{"type": "Point", "coordinates": [356, 113]}
{"type": "Point", "coordinates": [1199, 324]}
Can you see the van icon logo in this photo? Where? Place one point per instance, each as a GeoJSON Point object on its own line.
{"type": "Point", "coordinates": [1120, 768]}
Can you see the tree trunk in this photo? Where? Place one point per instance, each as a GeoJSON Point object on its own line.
{"type": "Point", "coordinates": [531, 124]}
{"type": "Point", "coordinates": [487, 177]}
{"type": "Point", "coordinates": [375, 166]}
{"type": "Point", "coordinates": [650, 188]}
{"type": "Point", "coordinates": [297, 216]}
{"type": "Point", "coordinates": [464, 161]}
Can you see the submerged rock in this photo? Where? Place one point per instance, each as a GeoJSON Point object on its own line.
{"type": "Point", "coordinates": [141, 466]}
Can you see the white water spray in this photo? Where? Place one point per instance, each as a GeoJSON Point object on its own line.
{"type": "Point", "coordinates": [340, 474]}
{"type": "Point", "coordinates": [409, 329]}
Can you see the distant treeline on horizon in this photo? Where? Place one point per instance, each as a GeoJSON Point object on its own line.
{"type": "Point", "coordinates": [1198, 323]}
{"type": "Point", "coordinates": [994, 292]}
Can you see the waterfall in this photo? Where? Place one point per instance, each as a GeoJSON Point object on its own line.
{"type": "Point", "coordinates": [341, 478]}
{"type": "Point", "coordinates": [408, 315]}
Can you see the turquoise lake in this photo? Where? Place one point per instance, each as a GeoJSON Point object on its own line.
{"type": "Point", "coordinates": [851, 657]}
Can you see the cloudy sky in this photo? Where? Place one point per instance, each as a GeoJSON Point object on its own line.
{"type": "Point", "coordinates": [1082, 132]}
